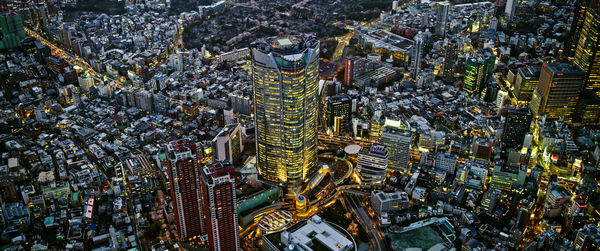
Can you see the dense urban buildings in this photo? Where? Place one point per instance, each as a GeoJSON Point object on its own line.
{"type": "Point", "coordinates": [299, 125]}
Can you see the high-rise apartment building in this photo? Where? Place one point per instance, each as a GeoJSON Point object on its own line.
{"type": "Point", "coordinates": [516, 126]}
{"type": "Point", "coordinates": [220, 206]}
{"type": "Point", "coordinates": [186, 189]}
{"type": "Point", "coordinates": [285, 77]}
{"type": "Point", "coordinates": [559, 89]}
{"type": "Point", "coordinates": [239, 102]}
{"type": "Point", "coordinates": [446, 162]}
{"type": "Point", "coordinates": [556, 200]}
{"type": "Point", "coordinates": [397, 142]}
{"type": "Point", "coordinates": [356, 66]}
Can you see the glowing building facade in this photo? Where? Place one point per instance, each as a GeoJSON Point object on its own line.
{"type": "Point", "coordinates": [285, 79]}
{"type": "Point", "coordinates": [587, 50]}
{"type": "Point", "coordinates": [560, 86]}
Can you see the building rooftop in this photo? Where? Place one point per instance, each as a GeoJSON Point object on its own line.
{"type": "Point", "coordinates": [317, 235]}
{"type": "Point", "coordinates": [286, 45]}
{"type": "Point", "coordinates": [397, 131]}
{"type": "Point", "coordinates": [530, 71]}
{"type": "Point", "coordinates": [564, 68]}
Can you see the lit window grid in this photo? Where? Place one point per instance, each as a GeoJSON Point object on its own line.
{"type": "Point", "coordinates": [286, 122]}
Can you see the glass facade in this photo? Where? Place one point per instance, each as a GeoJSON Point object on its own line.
{"type": "Point", "coordinates": [398, 142]}
{"type": "Point", "coordinates": [473, 75]}
{"type": "Point", "coordinates": [285, 80]}
{"type": "Point", "coordinates": [560, 85]}
{"type": "Point", "coordinates": [479, 71]}
{"type": "Point", "coordinates": [586, 52]}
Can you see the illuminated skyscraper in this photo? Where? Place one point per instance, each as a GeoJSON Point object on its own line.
{"type": "Point", "coordinates": [450, 60]}
{"type": "Point", "coordinates": [473, 75]}
{"type": "Point", "coordinates": [285, 77]}
{"type": "Point", "coordinates": [559, 89]}
{"type": "Point", "coordinates": [339, 106]}
{"type": "Point", "coordinates": [578, 18]}
{"type": "Point", "coordinates": [587, 52]}
{"type": "Point", "coordinates": [479, 71]}
{"type": "Point", "coordinates": [186, 189]}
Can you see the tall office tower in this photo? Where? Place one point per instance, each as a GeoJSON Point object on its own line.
{"type": "Point", "coordinates": [186, 190]}
{"type": "Point", "coordinates": [450, 60]}
{"type": "Point", "coordinates": [575, 30]}
{"type": "Point", "coordinates": [527, 79]}
{"type": "Point", "coordinates": [228, 143]}
{"type": "Point", "coordinates": [372, 165]}
{"type": "Point", "coordinates": [473, 75]}
{"type": "Point", "coordinates": [509, 10]}
{"type": "Point", "coordinates": [442, 18]}
{"type": "Point", "coordinates": [489, 60]}
{"type": "Point", "coordinates": [516, 126]}
{"type": "Point", "coordinates": [12, 30]}
{"type": "Point", "coordinates": [339, 106]}
{"type": "Point", "coordinates": [41, 13]}
{"type": "Point", "coordinates": [588, 109]}
{"type": "Point", "coordinates": [220, 206]}
{"type": "Point", "coordinates": [479, 70]}
{"type": "Point", "coordinates": [417, 54]}
{"type": "Point", "coordinates": [397, 142]}
{"type": "Point", "coordinates": [587, 53]}
{"type": "Point", "coordinates": [285, 75]}
{"type": "Point", "coordinates": [559, 89]}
